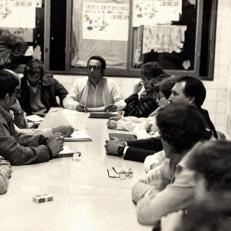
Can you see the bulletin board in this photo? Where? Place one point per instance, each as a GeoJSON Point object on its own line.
{"type": "Point", "coordinates": [25, 18]}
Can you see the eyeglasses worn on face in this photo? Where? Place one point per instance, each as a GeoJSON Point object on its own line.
{"type": "Point", "coordinates": [123, 175]}
{"type": "Point", "coordinates": [94, 67]}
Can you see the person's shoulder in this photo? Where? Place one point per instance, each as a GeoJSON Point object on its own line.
{"type": "Point", "coordinates": [111, 82]}
{"type": "Point", "coordinates": [48, 79]}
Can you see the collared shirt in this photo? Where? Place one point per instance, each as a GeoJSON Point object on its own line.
{"type": "Point", "coordinates": [104, 93]}
{"type": "Point", "coordinates": [165, 189]}
{"type": "Point", "coordinates": [18, 148]}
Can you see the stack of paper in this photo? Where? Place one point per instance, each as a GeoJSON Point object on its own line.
{"type": "Point", "coordinates": [78, 135]}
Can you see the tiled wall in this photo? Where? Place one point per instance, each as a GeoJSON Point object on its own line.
{"type": "Point", "coordinates": [218, 91]}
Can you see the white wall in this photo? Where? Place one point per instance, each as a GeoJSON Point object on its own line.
{"type": "Point", "coordinates": [217, 90]}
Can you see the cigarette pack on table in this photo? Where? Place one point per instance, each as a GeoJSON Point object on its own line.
{"type": "Point", "coordinates": [42, 198]}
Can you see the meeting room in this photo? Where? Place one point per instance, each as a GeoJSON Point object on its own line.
{"type": "Point", "coordinates": [115, 115]}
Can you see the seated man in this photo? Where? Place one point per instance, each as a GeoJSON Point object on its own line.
{"type": "Point", "coordinates": [151, 73]}
{"type": "Point", "coordinates": [39, 91]}
{"type": "Point", "coordinates": [21, 149]}
{"type": "Point", "coordinates": [211, 209]}
{"type": "Point", "coordinates": [5, 174]}
{"type": "Point", "coordinates": [191, 90]}
{"type": "Point", "coordinates": [186, 89]}
{"type": "Point", "coordinates": [95, 93]}
{"type": "Point", "coordinates": [20, 121]}
{"type": "Point", "coordinates": [169, 187]}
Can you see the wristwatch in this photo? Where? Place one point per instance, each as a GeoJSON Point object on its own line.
{"type": "Point", "coordinates": [121, 149]}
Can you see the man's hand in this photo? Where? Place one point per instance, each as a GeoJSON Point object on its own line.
{"type": "Point", "coordinates": [55, 143]}
{"type": "Point", "coordinates": [16, 108]}
{"type": "Point", "coordinates": [112, 124]}
{"type": "Point", "coordinates": [81, 108]}
{"type": "Point", "coordinates": [110, 108]}
{"type": "Point", "coordinates": [65, 130]}
{"type": "Point", "coordinates": [137, 88]}
{"type": "Point", "coordinates": [111, 146]}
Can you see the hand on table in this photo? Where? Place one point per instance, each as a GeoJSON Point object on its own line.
{"type": "Point", "coordinates": [112, 124]}
{"type": "Point", "coordinates": [81, 108]}
{"type": "Point", "coordinates": [111, 146]}
{"type": "Point", "coordinates": [55, 143]}
{"type": "Point", "coordinates": [65, 130]}
{"type": "Point", "coordinates": [110, 108]}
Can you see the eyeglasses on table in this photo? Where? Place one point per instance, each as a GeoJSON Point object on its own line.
{"type": "Point", "coordinates": [123, 175]}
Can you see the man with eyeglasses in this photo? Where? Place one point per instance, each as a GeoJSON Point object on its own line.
{"type": "Point", "coordinates": [39, 90]}
{"type": "Point", "coordinates": [95, 93]}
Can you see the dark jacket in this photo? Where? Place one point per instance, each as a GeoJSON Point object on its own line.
{"type": "Point", "coordinates": [142, 107]}
{"type": "Point", "coordinates": [208, 123]}
{"type": "Point", "coordinates": [18, 148]}
{"type": "Point", "coordinates": [50, 89]}
{"type": "Point", "coordinates": [138, 150]}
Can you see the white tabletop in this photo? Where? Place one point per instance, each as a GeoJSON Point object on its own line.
{"type": "Point", "coordinates": [85, 198]}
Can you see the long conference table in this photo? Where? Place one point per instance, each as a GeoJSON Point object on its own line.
{"type": "Point", "coordinates": [84, 197]}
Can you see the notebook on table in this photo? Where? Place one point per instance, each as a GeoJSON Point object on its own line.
{"type": "Point", "coordinates": [122, 136]}
{"type": "Point", "coordinates": [102, 114]}
{"type": "Point", "coordinates": [78, 135]}
{"type": "Point", "coordinates": [66, 152]}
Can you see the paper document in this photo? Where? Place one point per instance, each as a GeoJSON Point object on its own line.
{"type": "Point", "coordinates": [66, 152]}
{"type": "Point", "coordinates": [34, 118]}
{"type": "Point", "coordinates": [78, 135]}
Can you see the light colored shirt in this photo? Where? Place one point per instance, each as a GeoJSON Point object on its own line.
{"type": "Point", "coordinates": [152, 161]}
{"type": "Point", "coordinates": [157, 196]}
{"type": "Point", "coordinates": [106, 92]}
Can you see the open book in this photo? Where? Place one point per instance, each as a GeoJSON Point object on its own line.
{"type": "Point", "coordinates": [78, 135]}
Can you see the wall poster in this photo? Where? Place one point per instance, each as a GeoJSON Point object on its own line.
{"type": "Point", "coordinates": [105, 21]}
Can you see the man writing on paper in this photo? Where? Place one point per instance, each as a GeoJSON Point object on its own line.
{"type": "Point", "coordinates": [95, 93]}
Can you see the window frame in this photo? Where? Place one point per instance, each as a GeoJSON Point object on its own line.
{"type": "Point", "coordinates": [130, 72]}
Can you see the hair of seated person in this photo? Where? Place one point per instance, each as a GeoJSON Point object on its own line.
{"type": "Point", "coordinates": [181, 125]}
{"type": "Point", "coordinates": [166, 86]}
{"type": "Point", "coordinates": [212, 160]}
{"type": "Point", "coordinates": [152, 70]}
{"type": "Point", "coordinates": [193, 88]}
{"type": "Point", "coordinates": [8, 82]}
{"type": "Point", "coordinates": [32, 63]}
{"type": "Point", "coordinates": [100, 59]}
